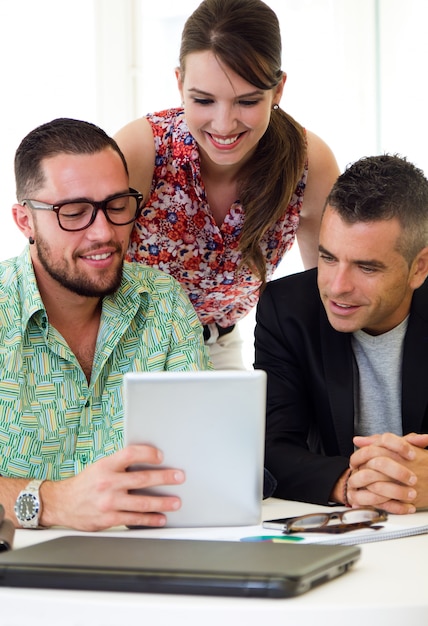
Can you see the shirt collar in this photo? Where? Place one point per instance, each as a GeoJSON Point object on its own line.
{"type": "Point", "coordinates": [31, 300]}
{"type": "Point", "coordinates": [130, 291]}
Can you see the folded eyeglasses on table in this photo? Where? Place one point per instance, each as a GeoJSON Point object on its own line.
{"type": "Point", "coordinates": [343, 521]}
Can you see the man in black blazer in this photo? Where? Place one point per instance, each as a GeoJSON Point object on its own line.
{"type": "Point", "coordinates": [345, 347]}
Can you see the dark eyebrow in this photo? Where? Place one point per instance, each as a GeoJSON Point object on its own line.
{"type": "Point", "coordinates": [366, 262]}
{"type": "Point", "coordinates": [324, 251]}
{"type": "Point", "coordinates": [256, 92]}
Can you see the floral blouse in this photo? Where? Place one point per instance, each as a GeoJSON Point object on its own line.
{"type": "Point", "coordinates": [178, 234]}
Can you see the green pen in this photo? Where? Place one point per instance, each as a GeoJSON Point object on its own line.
{"type": "Point", "coordinates": [273, 538]}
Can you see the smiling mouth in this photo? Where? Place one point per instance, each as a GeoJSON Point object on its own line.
{"type": "Point", "coordinates": [98, 257]}
{"type": "Point", "coordinates": [225, 141]}
{"type": "Point", "coordinates": [341, 306]}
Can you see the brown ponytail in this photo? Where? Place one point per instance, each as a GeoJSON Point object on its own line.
{"type": "Point", "coordinates": [269, 181]}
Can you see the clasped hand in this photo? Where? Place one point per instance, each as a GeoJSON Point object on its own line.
{"type": "Point", "coordinates": [389, 472]}
{"type": "Point", "coordinates": [99, 497]}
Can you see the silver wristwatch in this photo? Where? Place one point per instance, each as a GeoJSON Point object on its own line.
{"type": "Point", "coordinates": [28, 506]}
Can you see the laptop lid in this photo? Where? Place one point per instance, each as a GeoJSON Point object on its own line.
{"type": "Point", "coordinates": [175, 566]}
{"type": "Point", "coordinates": [210, 424]}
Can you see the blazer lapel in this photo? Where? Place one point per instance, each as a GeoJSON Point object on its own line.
{"type": "Point", "coordinates": [415, 365]}
{"type": "Point", "coordinates": [337, 357]}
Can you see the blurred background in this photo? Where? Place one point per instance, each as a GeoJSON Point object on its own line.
{"type": "Point", "coordinates": [355, 76]}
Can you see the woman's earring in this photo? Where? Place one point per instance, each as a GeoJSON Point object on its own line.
{"type": "Point", "coordinates": [275, 107]}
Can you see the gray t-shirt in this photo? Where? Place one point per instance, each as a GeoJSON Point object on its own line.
{"type": "Point", "coordinates": [377, 378]}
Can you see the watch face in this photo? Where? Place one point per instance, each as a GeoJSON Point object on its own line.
{"type": "Point", "coordinates": [27, 507]}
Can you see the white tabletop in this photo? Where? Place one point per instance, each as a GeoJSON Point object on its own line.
{"type": "Point", "coordinates": [387, 586]}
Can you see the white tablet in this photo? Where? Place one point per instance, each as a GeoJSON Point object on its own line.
{"type": "Point", "coordinates": [210, 424]}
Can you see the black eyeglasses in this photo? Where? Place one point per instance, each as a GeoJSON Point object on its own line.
{"type": "Point", "coordinates": [350, 519]}
{"type": "Point", "coordinates": [120, 209]}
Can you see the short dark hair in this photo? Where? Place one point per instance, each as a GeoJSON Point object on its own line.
{"type": "Point", "coordinates": [384, 187]}
{"type": "Point", "coordinates": [62, 135]}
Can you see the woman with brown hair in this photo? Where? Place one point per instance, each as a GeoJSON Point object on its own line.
{"type": "Point", "coordinates": [229, 179]}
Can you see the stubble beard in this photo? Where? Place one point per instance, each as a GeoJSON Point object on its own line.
{"type": "Point", "coordinates": [79, 284]}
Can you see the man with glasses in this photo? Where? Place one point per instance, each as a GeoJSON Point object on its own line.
{"type": "Point", "coordinates": [73, 319]}
{"type": "Point", "coordinates": [345, 347]}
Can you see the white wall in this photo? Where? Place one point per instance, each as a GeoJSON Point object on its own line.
{"type": "Point", "coordinates": [48, 69]}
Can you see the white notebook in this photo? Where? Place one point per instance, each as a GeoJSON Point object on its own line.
{"type": "Point", "coordinates": [395, 527]}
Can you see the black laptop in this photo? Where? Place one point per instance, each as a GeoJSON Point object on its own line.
{"type": "Point", "coordinates": [224, 568]}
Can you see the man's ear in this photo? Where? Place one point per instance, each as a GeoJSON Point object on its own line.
{"type": "Point", "coordinates": [419, 269]}
{"type": "Point", "coordinates": [23, 219]}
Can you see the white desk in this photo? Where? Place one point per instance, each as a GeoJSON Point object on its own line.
{"type": "Point", "coordinates": [388, 586]}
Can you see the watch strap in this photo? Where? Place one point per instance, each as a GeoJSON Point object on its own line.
{"type": "Point", "coordinates": [34, 486]}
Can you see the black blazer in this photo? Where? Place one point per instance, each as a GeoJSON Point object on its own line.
{"type": "Point", "coordinates": [310, 407]}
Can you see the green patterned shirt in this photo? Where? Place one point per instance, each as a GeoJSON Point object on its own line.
{"type": "Point", "coordinates": [52, 422]}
